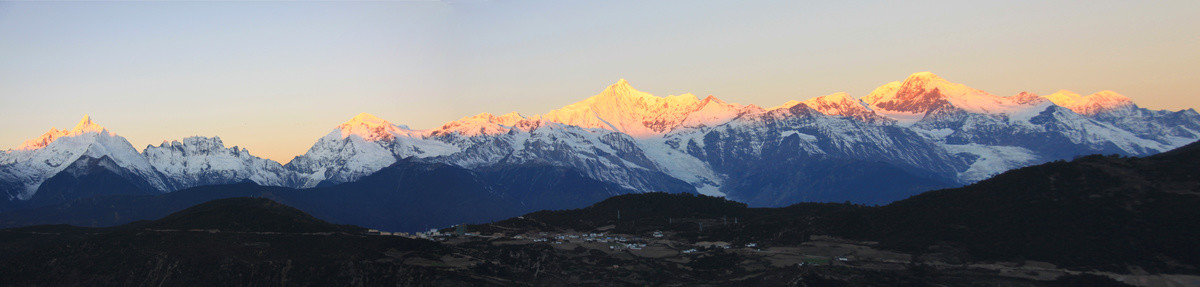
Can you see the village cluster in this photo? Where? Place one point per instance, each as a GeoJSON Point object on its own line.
{"type": "Point", "coordinates": [590, 239]}
{"type": "Point", "coordinates": [614, 241]}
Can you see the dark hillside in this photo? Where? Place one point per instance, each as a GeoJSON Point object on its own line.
{"type": "Point", "coordinates": [247, 215]}
{"type": "Point", "coordinates": [237, 241]}
{"type": "Point", "coordinates": [1103, 212]}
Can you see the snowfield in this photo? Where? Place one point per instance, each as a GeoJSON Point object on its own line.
{"type": "Point", "coordinates": [924, 125]}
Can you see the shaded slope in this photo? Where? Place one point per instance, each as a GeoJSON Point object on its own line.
{"type": "Point", "coordinates": [542, 187]}
{"type": "Point", "coordinates": [407, 196]}
{"type": "Point", "coordinates": [248, 215]}
{"type": "Point", "coordinates": [87, 177]}
{"type": "Point", "coordinates": [120, 209]}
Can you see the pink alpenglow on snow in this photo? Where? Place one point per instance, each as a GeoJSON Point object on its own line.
{"type": "Point", "coordinates": [1090, 104]}
{"type": "Point", "coordinates": [85, 125]}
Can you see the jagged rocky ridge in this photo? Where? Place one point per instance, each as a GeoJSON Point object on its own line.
{"type": "Point", "coordinates": [905, 137]}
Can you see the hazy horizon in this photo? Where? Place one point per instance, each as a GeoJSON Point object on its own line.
{"type": "Point", "coordinates": [274, 77]}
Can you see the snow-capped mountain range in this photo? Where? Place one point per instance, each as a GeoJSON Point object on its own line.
{"type": "Point", "coordinates": [24, 169]}
{"type": "Point", "coordinates": [920, 133]}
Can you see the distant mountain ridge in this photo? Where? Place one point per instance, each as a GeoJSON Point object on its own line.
{"type": "Point", "coordinates": [408, 195]}
{"type": "Point", "coordinates": [921, 133]}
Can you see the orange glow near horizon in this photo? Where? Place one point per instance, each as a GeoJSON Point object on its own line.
{"type": "Point", "coordinates": [273, 77]}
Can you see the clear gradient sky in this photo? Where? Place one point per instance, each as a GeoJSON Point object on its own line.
{"type": "Point", "coordinates": [273, 76]}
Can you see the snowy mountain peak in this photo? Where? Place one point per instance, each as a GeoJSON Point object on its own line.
{"type": "Point", "coordinates": [709, 112]}
{"type": "Point", "coordinates": [885, 90]}
{"type": "Point", "coordinates": [509, 119]}
{"type": "Point", "coordinates": [711, 98]}
{"type": "Point", "coordinates": [43, 157]}
{"type": "Point", "coordinates": [1091, 104]}
{"type": "Point", "coordinates": [1107, 96]}
{"type": "Point", "coordinates": [196, 142]}
{"type": "Point", "coordinates": [366, 119]}
{"type": "Point", "coordinates": [841, 104]}
{"type": "Point", "coordinates": [1026, 98]}
{"type": "Point", "coordinates": [787, 105]}
{"type": "Point", "coordinates": [198, 160]}
{"type": "Point", "coordinates": [834, 97]}
{"type": "Point", "coordinates": [923, 76]}
{"type": "Point", "coordinates": [837, 104]}
{"type": "Point", "coordinates": [43, 140]}
{"type": "Point", "coordinates": [1064, 98]}
{"type": "Point", "coordinates": [189, 146]}
{"type": "Point", "coordinates": [481, 124]}
{"type": "Point", "coordinates": [622, 89]}
{"type": "Point", "coordinates": [622, 108]}
{"type": "Point", "coordinates": [85, 125]}
{"type": "Point", "coordinates": [923, 92]}
{"type": "Point", "coordinates": [368, 127]}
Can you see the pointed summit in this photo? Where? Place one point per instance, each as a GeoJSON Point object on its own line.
{"type": "Point", "coordinates": [622, 108]}
{"type": "Point", "coordinates": [86, 125]}
{"type": "Point", "coordinates": [622, 89]}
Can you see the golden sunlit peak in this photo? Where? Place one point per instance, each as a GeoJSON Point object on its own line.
{"type": "Point", "coordinates": [1064, 98]}
{"type": "Point", "coordinates": [85, 126]}
{"type": "Point", "coordinates": [923, 76]}
{"type": "Point", "coordinates": [1109, 94]}
{"type": "Point", "coordinates": [621, 86]}
{"type": "Point", "coordinates": [1067, 93]}
{"type": "Point", "coordinates": [505, 119]}
{"type": "Point", "coordinates": [622, 90]}
{"type": "Point", "coordinates": [368, 127]}
{"type": "Point", "coordinates": [366, 119]}
{"type": "Point", "coordinates": [1090, 104]}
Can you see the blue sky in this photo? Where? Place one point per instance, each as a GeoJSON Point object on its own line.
{"type": "Point", "coordinates": [275, 76]}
